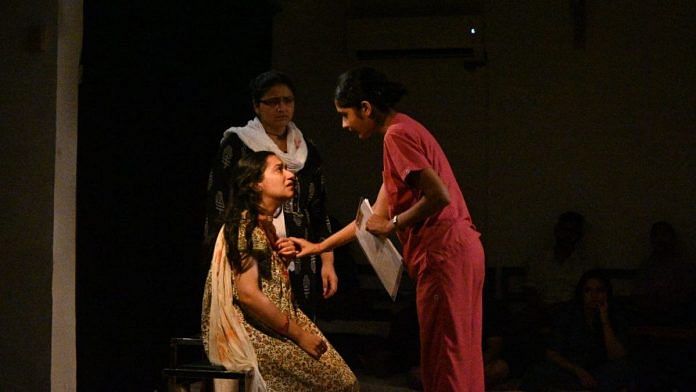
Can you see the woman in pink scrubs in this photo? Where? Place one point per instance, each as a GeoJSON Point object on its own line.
{"type": "Point", "coordinates": [422, 203]}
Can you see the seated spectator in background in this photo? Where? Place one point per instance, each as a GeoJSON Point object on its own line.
{"type": "Point", "coordinates": [586, 349]}
{"type": "Point", "coordinates": [663, 304]}
{"type": "Point", "coordinates": [496, 351]}
{"type": "Point", "coordinates": [552, 276]}
{"type": "Point", "coordinates": [665, 291]}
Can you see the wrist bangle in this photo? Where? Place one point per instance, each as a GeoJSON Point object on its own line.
{"type": "Point", "coordinates": [285, 329]}
{"type": "Point", "coordinates": [395, 221]}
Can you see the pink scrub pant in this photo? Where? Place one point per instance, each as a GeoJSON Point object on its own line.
{"type": "Point", "coordinates": [449, 271]}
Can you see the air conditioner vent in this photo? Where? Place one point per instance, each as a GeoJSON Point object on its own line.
{"type": "Point", "coordinates": [459, 36]}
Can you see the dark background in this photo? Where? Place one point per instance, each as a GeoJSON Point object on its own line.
{"type": "Point", "coordinates": [160, 83]}
{"type": "Point", "coordinates": [547, 125]}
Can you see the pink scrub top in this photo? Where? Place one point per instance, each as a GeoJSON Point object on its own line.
{"type": "Point", "coordinates": [444, 256]}
{"type": "Point", "coordinates": [409, 147]}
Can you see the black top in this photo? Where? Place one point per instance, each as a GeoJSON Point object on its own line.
{"type": "Point", "coordinates": [305, 213]}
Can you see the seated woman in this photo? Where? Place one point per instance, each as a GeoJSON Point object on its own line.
{"type": "Point", "coordinates": [587, 344]}
{"type": "Point", "coordinates": [250, 320]}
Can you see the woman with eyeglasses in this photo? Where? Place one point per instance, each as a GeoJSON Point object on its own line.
{"type": "Point", "coordinates": [304, 215]}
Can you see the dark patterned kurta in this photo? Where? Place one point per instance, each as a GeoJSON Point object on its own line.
{"type": "Point", "coordinates": [305, 214]}
{"type": "Point", "coordinates": [283, 365]}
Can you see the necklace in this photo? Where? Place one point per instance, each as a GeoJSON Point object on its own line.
{"type": "Point", "coordinates": [270, 217]}
{"type": "Point", "coordinates": [264, 217]}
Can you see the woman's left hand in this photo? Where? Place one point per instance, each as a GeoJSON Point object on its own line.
{"type": "Point", "coordinates": [329, 279]}
{"type": "Point", "coordinates": [379, 225]}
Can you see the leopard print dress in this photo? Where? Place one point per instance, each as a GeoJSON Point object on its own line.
{"type": "Point", "coordinates": [282, 363]}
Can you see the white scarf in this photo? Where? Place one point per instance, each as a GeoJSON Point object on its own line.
{"type": "Point", "coordinates": [228, 343]}
{"type": "Point", "coordinates": [254, 136]}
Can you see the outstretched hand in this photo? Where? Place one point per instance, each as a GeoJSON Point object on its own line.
{"type": "Point", "coordinates": [286, 248]}
{"type": "Point", "coordinates": [306, 248]}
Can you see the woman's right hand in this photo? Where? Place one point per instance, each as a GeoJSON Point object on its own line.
{"type": "Point", "coordinates": [306, 248]}
{"type": "Point", "coordinates": [586, 379]}
{"type": "Point", "coordinates": [313, 344]}
{"type": "Point", "coordinates": [603, 309]}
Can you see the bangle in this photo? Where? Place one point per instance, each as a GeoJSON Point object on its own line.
{"type": "Point", "coordinates": [285, 329]}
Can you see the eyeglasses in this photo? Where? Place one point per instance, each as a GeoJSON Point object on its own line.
{"type": "Point", "coordinates": [275, 101]}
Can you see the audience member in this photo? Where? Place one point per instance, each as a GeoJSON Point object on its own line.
{"type": "Point", "coordinates": [664, 316]}
{"type": "Point", "coordinates": [665, 292]}
{"type": "Point", "coordinates": [552, 276]}
{"type": "Point", "coordinates": [587, 345]}
{"type": "Point", "coordinates": [496, 367]}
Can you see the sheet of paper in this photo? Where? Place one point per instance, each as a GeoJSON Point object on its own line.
{"type": "Point", "coordinates": [380, 252]}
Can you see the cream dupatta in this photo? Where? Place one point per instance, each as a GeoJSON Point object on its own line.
{"type": "Point", "coordinates": [224, 336]}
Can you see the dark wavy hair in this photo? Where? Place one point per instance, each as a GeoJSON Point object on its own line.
{"type": "Point", "coordinates": [244, 208]}
{"type": "Point", "coordinates": [367, 84]}
{"type": "Point", "coordinates": [599, 275]}
{"type": "Point", "coordinates": [265, 81]}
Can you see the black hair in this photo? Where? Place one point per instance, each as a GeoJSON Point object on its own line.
{"type": "Point", "coordinates": [244, 208]}
{"type": "Point", "coordinates": [597, 274]}
{"type": "Point", "coordinates": [572, 217]}
{"type": "Point", "coordinates": [265, 81]}
{"type": "Point", "coordinates": [367, 84]}
{"type": "Point", "coordinates": [662, 226]}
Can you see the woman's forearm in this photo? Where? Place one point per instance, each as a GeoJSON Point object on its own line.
{"type": "Point", "coordinates": [615, 349]}
{"type": "Point", "coordinates": [266, 312]}
{"type": "Point", "coordinates": [327, 258]}
{"type": "Point", "coordinates": [435, 198]}
{"type": "Point", "coordinates": [261, 308]}
{"type": "Point", "coordinates": [420, 211]}
{"type": "Point", "coordinates": [561, 361]}
{"type": "Point", "coordinates": [255, 302]}
{"type": "Point", "coordinates": [339, 238]}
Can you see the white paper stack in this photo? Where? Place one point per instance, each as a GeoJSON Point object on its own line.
{"type": "Point", "coordinates": [380, 252]}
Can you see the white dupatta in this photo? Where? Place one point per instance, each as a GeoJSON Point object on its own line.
{"type": "Point", "coordinates": [254, 136]}
{"type": "Point", "coordinates": [227, 341]}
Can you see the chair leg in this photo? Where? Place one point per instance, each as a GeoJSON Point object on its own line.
{"type": "Point", "coordinates": [171, 384]}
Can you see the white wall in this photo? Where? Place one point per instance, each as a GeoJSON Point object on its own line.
{"type": "Point", "coordinates": [542, 128]}
{"type": "Point", "coordinates": [607, 131]}
{"type": "Point", "coordinates": [317, 53]}
{"type": "Point", "coordinates": [37, 175]}
{"type": "Point", "coordinates": [63, 335]}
